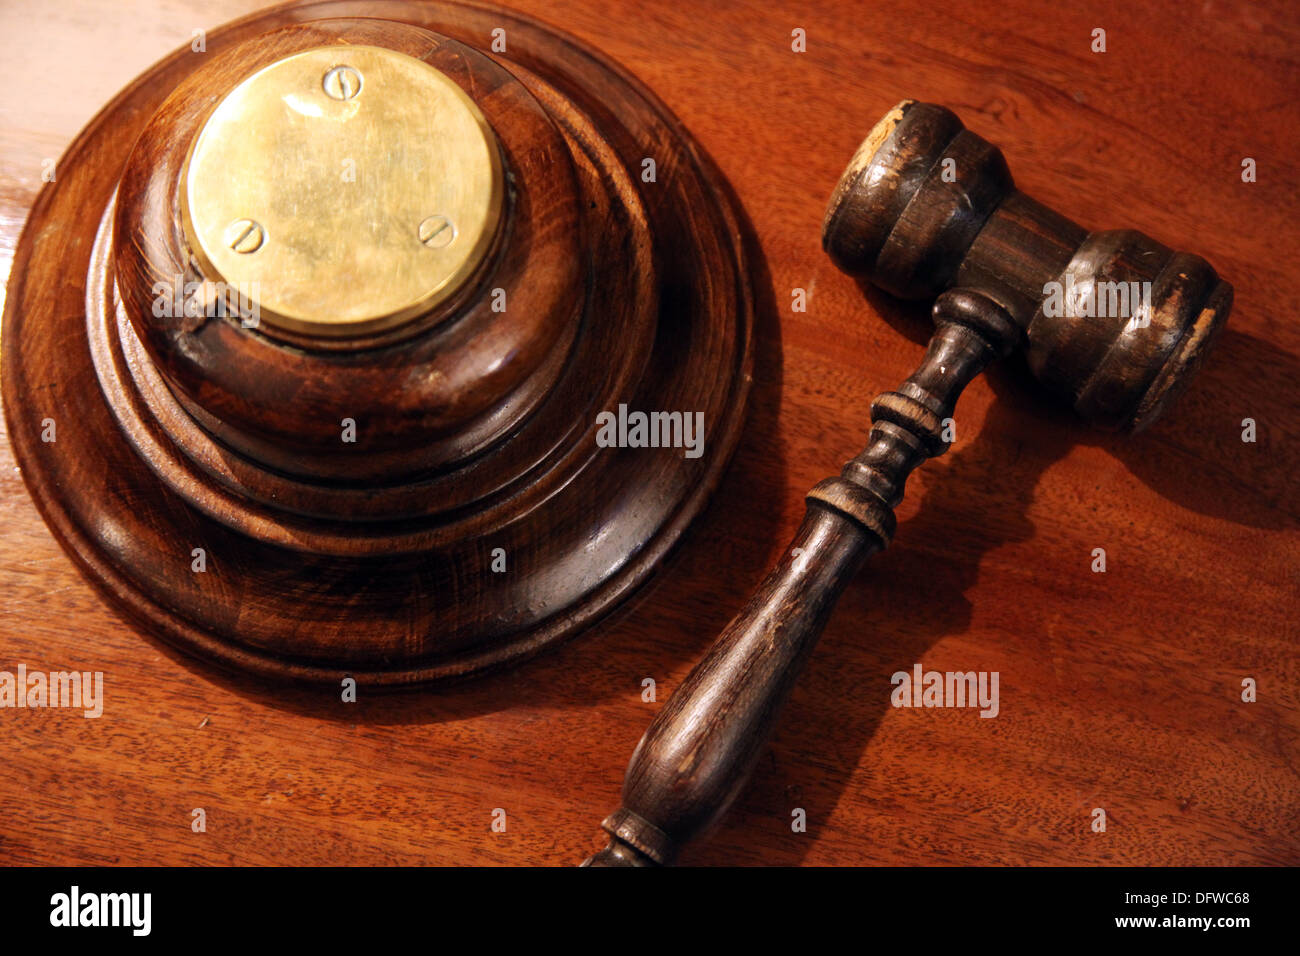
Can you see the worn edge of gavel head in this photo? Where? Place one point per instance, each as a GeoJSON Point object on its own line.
{"type": "Point", "coordinates": [1114, 322]}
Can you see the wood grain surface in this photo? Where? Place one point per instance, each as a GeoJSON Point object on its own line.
{"type": "Point", "coordinates": [1119, 690]}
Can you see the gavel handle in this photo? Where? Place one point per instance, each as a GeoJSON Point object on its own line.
{"type": "Point", "coordinates": [703, 745]}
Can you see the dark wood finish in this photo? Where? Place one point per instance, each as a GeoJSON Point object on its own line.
{"type": "Point", "coordinates": [933, 205]}
{"type": "Point", "coordinates": [919, 207]}
{"type": "Point", "coordinates": [1124, 686]}
{"type": "Point", "coordinates": [373, 559]}
{"type": "Point", "coordinates": [703, 746]}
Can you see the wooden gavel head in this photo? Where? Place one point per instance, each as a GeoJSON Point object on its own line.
{"type": "Point", "coordinates": [1113, 321]}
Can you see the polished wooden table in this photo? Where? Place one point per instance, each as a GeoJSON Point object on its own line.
{"type": "Point", "coordinates": [1119, 691]}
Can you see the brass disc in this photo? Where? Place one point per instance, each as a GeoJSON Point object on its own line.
{"type": "Point", "coordinates": [343, 190]}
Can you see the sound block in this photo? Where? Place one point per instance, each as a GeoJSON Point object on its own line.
{"type": "Point", "coordinates": [387, 340]}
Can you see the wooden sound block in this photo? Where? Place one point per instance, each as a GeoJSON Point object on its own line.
{"type": "Point", "coordinates": [403, 497]}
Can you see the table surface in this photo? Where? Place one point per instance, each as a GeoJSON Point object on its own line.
{"type": "Point", "coordinates": [1119, 691]}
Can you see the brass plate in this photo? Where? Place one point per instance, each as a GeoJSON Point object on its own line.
{"type": "Point", "coordinates": [346, 189]}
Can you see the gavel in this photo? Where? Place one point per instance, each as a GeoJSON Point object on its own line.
{"type": "Point", "coordinates": [1112, 321]}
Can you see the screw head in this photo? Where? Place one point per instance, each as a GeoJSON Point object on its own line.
{"type": "Point", "coordinates": [341, 82]}
{"type": "Point", "coordinates": [245, 236]}
{"type": "Point", "coordinates": [437, 232]}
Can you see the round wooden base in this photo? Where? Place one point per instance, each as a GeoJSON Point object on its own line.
{"type": "Point", "coordinates": [451, 570]}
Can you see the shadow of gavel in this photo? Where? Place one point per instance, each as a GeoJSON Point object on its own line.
{"type": "Point", "coordinates": [1113, 322]}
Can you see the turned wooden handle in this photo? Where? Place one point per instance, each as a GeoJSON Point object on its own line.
{"type": "Point", "coordinates": [703, 745]}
